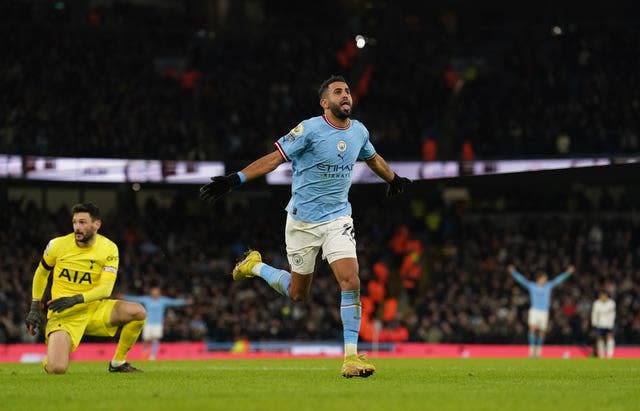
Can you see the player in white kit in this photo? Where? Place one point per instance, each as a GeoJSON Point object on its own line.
{"type": "Point", "coordinates": [603, 318]}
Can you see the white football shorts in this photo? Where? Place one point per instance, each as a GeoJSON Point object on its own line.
{"type": "Point", "coordinates": [304, 241]}
{"type": "Point", "coordinates": [538, 319]}
{"type": "Point", "coordinates": [151, 332]}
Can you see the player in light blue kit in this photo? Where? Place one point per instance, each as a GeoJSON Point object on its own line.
{"type": "Point", "coordinates": [323, 151]}
{"type": "Point", "coordinates": [155, 304]}
{"type": "Point", "coordinates": [540, 295]}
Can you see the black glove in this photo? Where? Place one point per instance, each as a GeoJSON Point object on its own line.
{"type": "Point", "coordinates": [219, 186]}
{"type": "Point", "coordinates": [34, 318]}
{"type": "Point", "coordinates": [397, 185]}
{"type": "Point", "coordinates": [63, 303]}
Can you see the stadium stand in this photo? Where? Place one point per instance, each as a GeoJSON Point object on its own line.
{"type": "Point", "coordinates": [134, 80]}
{"type": "Point", "coordinates": [463, 293]}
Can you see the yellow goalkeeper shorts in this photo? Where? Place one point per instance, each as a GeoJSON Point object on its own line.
{"type": "Point", "coordinates": [92, 318]}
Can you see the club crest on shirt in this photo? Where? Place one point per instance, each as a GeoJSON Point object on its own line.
{"type": "Point", "coordinates": [295, 132]}
{"type": "Point", "coordinates": [297, 260]}
{"type": "Point", "coordinates": [342, 146]}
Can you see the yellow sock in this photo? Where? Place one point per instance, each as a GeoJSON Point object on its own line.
{"type": "Point", "coordinates": [128, 336]}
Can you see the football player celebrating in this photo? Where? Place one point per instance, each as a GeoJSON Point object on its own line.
{"type": "Point", "coordinates": [323, 151]}
{"type": "Point", "coordinates": [540, 296]}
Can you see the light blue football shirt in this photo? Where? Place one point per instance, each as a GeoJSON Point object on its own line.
{"type": "Point", "coordinates": [322, 158]}
{"type": "Point", "coordinates": [540, 295]}
{"type": "Point", "coordinates": [156, 307]}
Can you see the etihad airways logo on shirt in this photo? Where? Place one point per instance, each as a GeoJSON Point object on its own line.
{"type": "Point", "coordinates": [335, 171]}
{"type": "Point", "coordinates": [334, 168]}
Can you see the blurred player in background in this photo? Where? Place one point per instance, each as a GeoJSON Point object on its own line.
{"type": "Point", "coordinates": [155, 304]}
{"type": "Point", "coordinates": [84, 265]}
{"type": "Point", "coordinates": [540, 296]}
{"type": "Point", "coordinates": [603, 318]}
{"type": "Point", "coordinates": [323, 151]}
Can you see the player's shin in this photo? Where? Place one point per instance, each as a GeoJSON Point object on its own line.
{"type": "Point", "coordinates": [539, 343]}
{"type": "Point", "coordinates": [128, 337]}
{"type": "Point", "coordinates": [278, 279]}
{"type": "Point", "coordinates": [611, 344]}
{"type": "Point", "coordinates": [350, 313]}
{"type": "Point", "coordinates": [532, 343]}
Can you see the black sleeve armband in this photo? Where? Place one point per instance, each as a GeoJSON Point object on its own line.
{"type": "Point", "coordinates": [45, 265]}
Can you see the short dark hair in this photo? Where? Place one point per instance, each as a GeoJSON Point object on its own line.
{"type": "Point", "coordinates": [541, 273]}
{"type": "Point", "coordinates": [90, 208]}
{"type": "Point", "coordinates": [325, 84]}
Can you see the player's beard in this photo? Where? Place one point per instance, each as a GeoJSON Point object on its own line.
{"type": "Point", "coordinates": [86, 237]}
{"type": "Point", "coordinates": [339, 112]}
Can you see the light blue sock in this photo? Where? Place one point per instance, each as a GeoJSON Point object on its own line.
{"type": "Point", "coordinates": [278, 279]}
{"type": "Point", "coordinates": [532, 338]}
{"type": "Point", "coordinates": [350, 313]}
{"type": "Point", "coordinates": [155, 344]}
{"type": "Point", "coordinates": [539, 340]}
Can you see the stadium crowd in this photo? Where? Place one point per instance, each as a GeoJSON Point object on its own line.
{"type": "Point", "coordinates": [130, 81]}
{"type": "Point", "coordinates": [434, 274]}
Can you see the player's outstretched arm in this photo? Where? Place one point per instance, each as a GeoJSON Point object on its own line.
{"type": "Point", "coordinates": [221, 185]}
{"type": "Point", "coordinates": [396, 184]}
{"type": "Point", "coordinates": [519, 277]}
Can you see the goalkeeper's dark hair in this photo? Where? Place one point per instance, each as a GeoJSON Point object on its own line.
{"type": "Point", "coordinates": [90, 208]}
{"type": "Point", "coordinates": [325, 84]}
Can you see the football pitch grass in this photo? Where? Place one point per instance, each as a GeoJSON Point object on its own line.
{"type": "Point", "coordinates": [316, 384]}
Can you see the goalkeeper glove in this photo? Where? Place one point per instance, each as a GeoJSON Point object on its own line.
{"type": "Point", "coordinates": [63, 303]}
{"type": "Point", "coordinates": [34, 318]}
{"type": "Point", "coordinates": [397, 185]}
{"type": "Point", "coordinates": [219, 186]}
